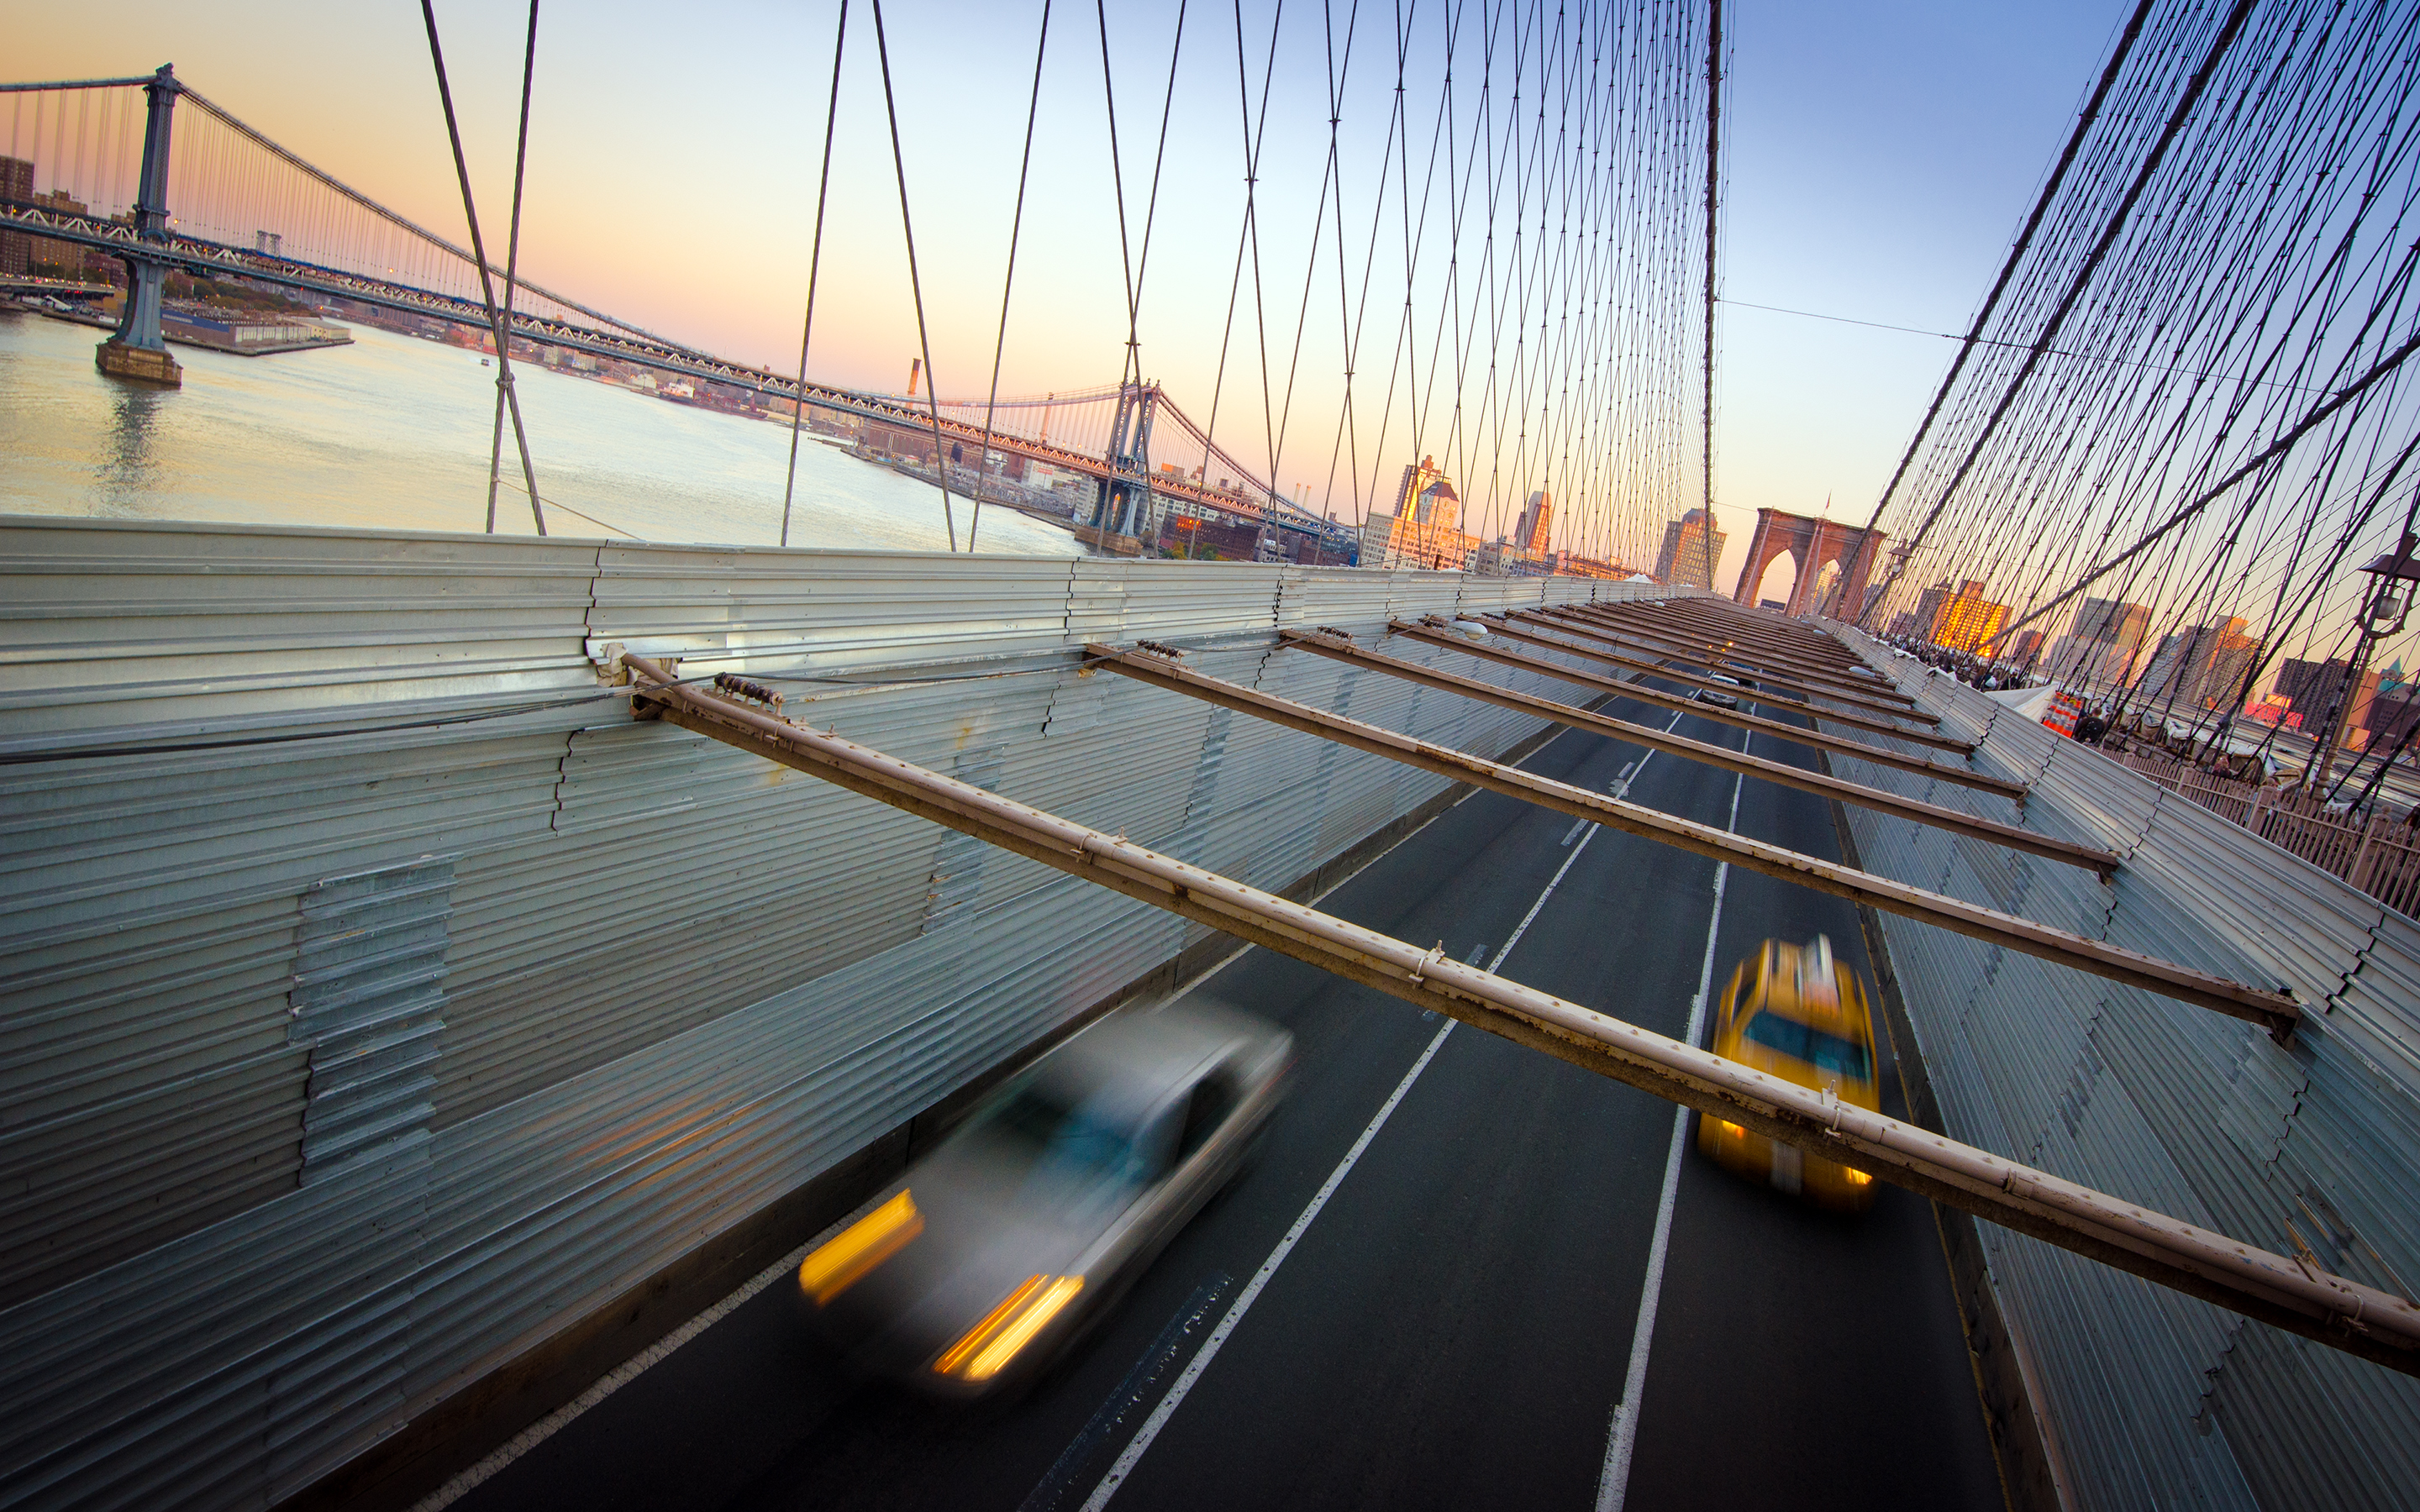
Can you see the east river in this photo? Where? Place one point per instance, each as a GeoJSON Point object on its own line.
{"type": "Point", "coordinates": [393, 432]}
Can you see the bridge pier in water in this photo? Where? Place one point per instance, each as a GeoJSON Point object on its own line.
{"type": "Point", "coordinates": [138, 351]}
{"type": "Point", "coordinates": [1123, 505]}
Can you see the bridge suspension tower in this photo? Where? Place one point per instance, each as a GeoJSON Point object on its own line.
{"type": "Point", "coordinates": [1124, 504]}
{"type": "Point", "coordinates": [138, 350]}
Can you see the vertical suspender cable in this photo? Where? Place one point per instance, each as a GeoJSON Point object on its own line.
{"type": "Point", "coordinates": [1714, 171]}
{"type": "Point", "coordinates": [1130, 375]}
{"type": "Point", "coordinates": [815, 267]}
{"type": "Point", "coordinates": [512, 270]}
{"type": "Point", "coordinates": [479, 255]}
{"type": "Point", "coordinates": [1008, 280]}
{"type": "Point", "coordinates": [915, 286]}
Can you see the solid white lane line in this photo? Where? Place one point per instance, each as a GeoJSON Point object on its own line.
{"type": "Point", "coordinates": [1209, 1350]}
{"type": "Point", "coordinates": [629, 1370]}
{"type": "Point", "coordinates": [1613, 1484]}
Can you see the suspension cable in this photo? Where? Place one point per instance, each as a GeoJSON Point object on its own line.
{"type": "Point", "coordinates": [1008, 280]}
{"type": "Point", "coordinates": [915, 285]}
{"type": "Point", "coordinates": [479, 252]}
{"type": "Point", "coordinates": [814, 269]}
{"type": "Point", "coordinates": [504, 390]}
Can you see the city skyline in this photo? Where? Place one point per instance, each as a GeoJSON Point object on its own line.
{"type": "Point", "coordinates": [1800, 153]}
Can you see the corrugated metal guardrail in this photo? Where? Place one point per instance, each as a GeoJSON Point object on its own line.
{"type": "Point", "coordinates": [2152, 1398]}
{"type": "Point", "coordinates": [340, 1061]}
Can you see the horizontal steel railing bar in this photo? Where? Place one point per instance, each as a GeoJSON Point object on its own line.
{"type": "Point", "coordinates": [1529, 628]}
{"type": "Point", "coordinates": [2104, 862]}
{"type": "Point", "coordinates": [1773, 683]}
{"type": "Point", "coordinates": [1877, 697]}
{"type": "Point", "coordinates": [1841, 717]}
{"type": "Point", "coordinates": [1815, 739]}
{"type": "Point", "coordinates": [2344, 1315]}
{"type": "Point", "coordinates": [1787, 639]}
{"type": "Point", "coordinates": [1823, 661]}
{"type": "Point", "coordinates": [1690, 618]}
{"type": "Point", "coordinates": [2271, 1012]}
{"type": "Point", "coordinates": [1825, 681]}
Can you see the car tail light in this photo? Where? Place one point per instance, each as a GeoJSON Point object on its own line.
{"type": "Point", "coordinates": [984, 1349]}
{"type": "Point", "coordinates": [841, 1264]}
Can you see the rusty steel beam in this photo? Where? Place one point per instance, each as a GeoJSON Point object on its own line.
{"type": "Point", "coordinates": [1763, 624]}
{"type": "Point", "coordinates": [2288, 1293]}
{"type": "Point", "coordinates": [1668, 643]}
{"type": "Point", "coordinates": [1840, 716]}
{"type": "Point", "coordinates": [1682, 640]}
{"type": "Point", "coordinates": [1815, 739]}
{"type": "Point", "coordinates": [1631, 654]}
{"type": "Point", "coordinates": [1691, 617]}
{"type": "Point", "coordinates": [2271, 1012]}
{"type": "Point", "coordinates": [1821, 784]}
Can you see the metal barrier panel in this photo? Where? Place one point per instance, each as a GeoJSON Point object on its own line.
{"type": "Point", "coordinates": [379, 996]}
{"type": "Point", "coordinates": [2155, 1398]}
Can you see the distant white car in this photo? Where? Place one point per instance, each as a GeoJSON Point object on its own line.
{"type": "Point", "coordinates": [1717, 696]}
{"type": "Point", "coordinates": [1029, 1221]}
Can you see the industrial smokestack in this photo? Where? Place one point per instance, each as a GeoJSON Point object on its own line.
{"type": "Point", "coordinates": [915, 366]}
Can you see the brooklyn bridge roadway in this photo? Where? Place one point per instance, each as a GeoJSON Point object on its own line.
{"type": "Point", "coordinates": [1456, 1326]}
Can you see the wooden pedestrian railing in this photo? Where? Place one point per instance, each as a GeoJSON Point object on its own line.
{"type": "Point", "coordinates": [2380, 854]}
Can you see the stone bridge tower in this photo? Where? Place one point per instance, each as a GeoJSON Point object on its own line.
{"type": "Point", "coordinates": [1849, 551]}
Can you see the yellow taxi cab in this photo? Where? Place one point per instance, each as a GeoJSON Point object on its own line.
{"type": "Point", "coordinates": [1796, 1012]}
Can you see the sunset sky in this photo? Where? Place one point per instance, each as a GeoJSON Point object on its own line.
{"type": "Point", "coordinates": [1879, 155]}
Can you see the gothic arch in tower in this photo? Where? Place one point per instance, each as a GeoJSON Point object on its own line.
{"type": "Point", "coordinates": [1834, 562]}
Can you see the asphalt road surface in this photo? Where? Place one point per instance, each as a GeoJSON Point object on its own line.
{"type": "Point", "coordinates": [1459, 1322]}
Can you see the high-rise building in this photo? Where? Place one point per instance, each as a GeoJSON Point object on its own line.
{"type": "Point", "coordinates": [2312, 690]}
{"type": "Point", "coordinates": [16, 183]}
{"type": "Point", "coordinates": [1425, 530]}
{"type": "Point", "coordinates": [2111, 621]}
{"type": "Point", "coordinates": [1966, 620]}
{"type": "Point", "coordinates": [2200, 668]}
{"type": "Point", "coordinates": [1928, 609]}
{"type": "Point", "coordinates": [48, 255]}
{"type": "Point", "coordinates": [2104, 645]}
{"type": "Point", "coordinates": [1692, 549]}
{"type": "Point", "coordinates": [1417, 480]}
{"type": "Point", "coordinates": [2389, 719]}
{"type": "Point", "coordinates": [1530, 530]}
{"type": "Point", "coordinates": [1439, 506]}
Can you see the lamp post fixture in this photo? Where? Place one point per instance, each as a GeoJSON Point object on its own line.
{"type": "Point", "coordinates": [2385, 608]}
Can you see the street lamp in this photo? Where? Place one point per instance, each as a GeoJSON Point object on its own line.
{"type": "Point", "coordinates": [2385, 608]}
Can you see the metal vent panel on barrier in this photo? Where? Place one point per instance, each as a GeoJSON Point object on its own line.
{"type": "Point", "coordinates": [2189, 1112]}
{"type": "Point", "coordinates": [599, 1108]}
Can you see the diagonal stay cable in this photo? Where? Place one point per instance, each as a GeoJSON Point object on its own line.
{"type": "Point", "coordinates": [504, 391]}
{"type": "Point", "coordinates": [1118, 189]}
{"type": "Point", "coordinates": [814, 269]}
{"type": "Point", "coordinates": [2118, 217]}
{"type": "Point", "coordinates": [916, 286]}
{"type": "Point", "coordinates": [1008, 280]}
{"type": "Point", "coordinates": [487, 283]}
{"type": "Point", "coordinates": [2191, 509]}
{"type": "Point", "coordinates": [2084, 123]}
{"type": "Point", "coordinates": [1159, 158]}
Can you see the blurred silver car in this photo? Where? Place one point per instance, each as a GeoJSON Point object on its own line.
{"type": "Point", "coordinates": [1032, 1218]}
{"type": "Point", "coordinates": [1718, 695]}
